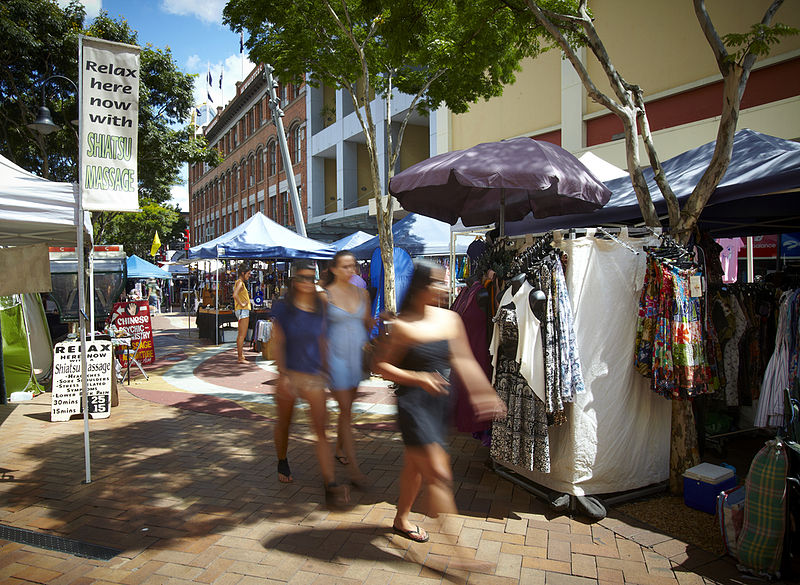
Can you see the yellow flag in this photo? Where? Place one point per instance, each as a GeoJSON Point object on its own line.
{"type": "Point", "coordinates": [156, 245]}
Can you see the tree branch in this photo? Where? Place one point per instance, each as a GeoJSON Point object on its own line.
{"type": "Point", "coordinates": [673, 207]}
{"type": "Point", "coordinates": [710, 32]}
{"type": "Point", "coordinates": [580, 69]}
{"type": "Point", "coordinates": [395, 154]}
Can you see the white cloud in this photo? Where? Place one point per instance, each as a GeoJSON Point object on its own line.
{"type": "Point", "coordinates": [193, 63]}
{"type": "Point", "coordinates": [93, 7]}
{"type": "Point", "coordinates": [234, 68]}
{"type": "Point", "coordinates": [207, 11]}
{"type": "Point", "coordinates": [180, 196]}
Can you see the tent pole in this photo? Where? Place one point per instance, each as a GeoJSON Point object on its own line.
{"type": "Point", "coordinates": [91, 291]}
{"type": "Point", "coordinates": [502, 225]}
{"type": "Point", "coordinates": [750, 269]}
{"type": "Point", "coordinates": [32, 378]}
{"type": "Point", "coordinates": [216, 303]}
{"type": "Point", "coordinates": [82, 322]}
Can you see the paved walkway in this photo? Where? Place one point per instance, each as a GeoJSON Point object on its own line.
{"type": "Point", "coordinates": [184, 486]}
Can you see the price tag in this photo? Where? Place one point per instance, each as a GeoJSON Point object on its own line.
{"type": "Point", "coordinates": [696, 286]}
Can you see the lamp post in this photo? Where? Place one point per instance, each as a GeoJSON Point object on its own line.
{"type": "Point", "coordinates": [44, 125]}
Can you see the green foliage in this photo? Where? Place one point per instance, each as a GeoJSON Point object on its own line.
{"type": "Point", "coordinates": [757, 41]}
{"type": "Point", "coordinates": [39, 39]}
{"type": "Point", "coordinates": [474, 47]}
{"type": "Point", "coordinates": [135, 230]}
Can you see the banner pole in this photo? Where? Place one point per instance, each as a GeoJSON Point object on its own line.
{"type": "Point", "coordinates": [81, 276]}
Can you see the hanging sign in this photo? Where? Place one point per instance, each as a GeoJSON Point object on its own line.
{"type": "Point", "coordinates": [109, 125]}
{"type": "Point", "coordinates": [66, 397]}
{"type": "Point", "coordinates": [133, 317]}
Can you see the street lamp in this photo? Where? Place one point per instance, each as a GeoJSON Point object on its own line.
{"type": "Point", "coordinates": [44, 121]}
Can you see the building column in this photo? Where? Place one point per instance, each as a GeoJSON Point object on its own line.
{"type": "Point", "coordinates": [573, 106]}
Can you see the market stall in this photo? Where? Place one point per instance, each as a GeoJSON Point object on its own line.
{"type": "Point", "coordinates": [258, 238]}
{"type": "Point", "coordinates": [587, 419]}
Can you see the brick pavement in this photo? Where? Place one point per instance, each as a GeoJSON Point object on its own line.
{"type": "Point", "coordinates": [191, 497]}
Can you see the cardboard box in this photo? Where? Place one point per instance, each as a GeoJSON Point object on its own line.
{"type": "Point", "coordinates": [703, 483]}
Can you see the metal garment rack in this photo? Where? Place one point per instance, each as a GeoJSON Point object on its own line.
{"type": "Point", "coordinates": [478, 233]}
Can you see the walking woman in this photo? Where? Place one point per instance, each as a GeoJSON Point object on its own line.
{"type": "Point", "coordinates": [349, 320]}
{"type": "Point", "coordinates": [299, 344]}
{"type": "Point", "coordinates": [424, 343]}
{"type": "Point", "coordinates": [242, 307]}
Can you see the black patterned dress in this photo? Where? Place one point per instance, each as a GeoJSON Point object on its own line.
{"type": "Point", "coordinates": [521, 438]}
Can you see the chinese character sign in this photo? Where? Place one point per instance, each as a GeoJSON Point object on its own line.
{"type": "Point", "coordinates": [133, 317]}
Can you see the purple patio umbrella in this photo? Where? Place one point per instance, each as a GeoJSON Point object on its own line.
{"type": "Point", "coordinates": [498, 182]}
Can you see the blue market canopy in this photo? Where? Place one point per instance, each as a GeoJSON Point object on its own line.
{"type": "Point", "coordinates": [260, 237]}
{"type": "Point", "coordinates": [138, 268]}
{"type": "Point", "coordinates": [757, 195]}
{"type": "Point", "coordinates": [351, 241]}
{"type": "Point", "coordinates": [419, 236]}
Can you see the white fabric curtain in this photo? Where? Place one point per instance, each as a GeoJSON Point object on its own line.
{"type": "Point", "coordinates": [617, 433]}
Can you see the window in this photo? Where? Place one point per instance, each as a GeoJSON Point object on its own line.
{"type": "Point", "coordinates": [273, 213]}
{"type": "Point", "coordinates": [233, 136]}
{"type": "Point", "coordinates": [273, 163]}
{"type": "Point", "coordinates": [297, 151]}
{"type": "Point", "coordinates": [250, 117]}
{"type": "Point", "coordinates": [260, 165]}
{"type": "Point", "coordinates": [235, 180]}
{"type": "Point", "coordinates": [259, 119]}
{"type": "Point", "coordinates": [243, 176]}
{"type": "Point", "coordinates": [251, 163]}
{"type": "Point", "coordinates": [252, 209]}
{"type": "Point", "coordinates": [285, 208]}
{"type": "Point", "coordinates": [261, 205]}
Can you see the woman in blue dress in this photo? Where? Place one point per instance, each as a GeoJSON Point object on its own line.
{"type": "Point", "coordinates": [349, 321]}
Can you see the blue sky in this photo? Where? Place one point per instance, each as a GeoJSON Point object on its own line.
{"type": "Point", "coordinates": [193, 30]}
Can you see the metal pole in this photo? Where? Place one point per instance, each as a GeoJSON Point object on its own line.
{"type": "Point", "coordinates": [277, 117]}
{"type": "Point", "coordinates": [216, 303]}
{"type": "Point", "coordinates": [91, 292]}
{"type": "Point", "coordinates": [81, 275]}
{"type": "Point", "coordinates": [750, 268]}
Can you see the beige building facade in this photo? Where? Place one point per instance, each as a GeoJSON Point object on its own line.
{"type": "Point", "coordinates": [658, 45]}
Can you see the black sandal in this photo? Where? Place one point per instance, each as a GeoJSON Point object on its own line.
{"type": "Point", "coordinates": [284, 470]}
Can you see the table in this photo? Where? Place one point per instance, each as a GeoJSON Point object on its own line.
{"type": "Point", "coordinates": [206, 322]}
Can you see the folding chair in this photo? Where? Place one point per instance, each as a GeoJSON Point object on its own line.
{"type": "Point", "coordinates": [132, 360]}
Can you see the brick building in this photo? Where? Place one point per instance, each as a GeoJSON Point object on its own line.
{"type": "Point", "coordinates": [252, 177]}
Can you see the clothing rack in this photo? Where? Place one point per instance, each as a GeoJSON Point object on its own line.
{"type": "Point", "coordinates": [534, 253]}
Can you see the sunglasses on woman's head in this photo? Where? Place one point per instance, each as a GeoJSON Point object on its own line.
{"type": "Point", "coordinates": [304, 278]}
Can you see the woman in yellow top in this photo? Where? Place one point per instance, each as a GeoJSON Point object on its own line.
{"type": "Point", "coordinates": [242, 306]}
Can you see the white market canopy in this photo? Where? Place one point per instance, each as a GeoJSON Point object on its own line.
{"type": "Point", "coordinates": [34, 210]}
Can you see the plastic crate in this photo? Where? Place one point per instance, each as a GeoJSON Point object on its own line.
{"type": "Point", "coordinates": [703, 483]}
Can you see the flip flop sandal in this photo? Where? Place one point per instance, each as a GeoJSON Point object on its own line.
{"type": "Point", "coordinates": [413, 535]}
{"type": "Point", "coordinates": [284, 470]}
{"type": "Point", "coordinates": [342, 459]}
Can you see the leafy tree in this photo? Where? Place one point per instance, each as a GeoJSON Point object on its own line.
{"type": "Point", "coordinates": [439, 52]}
{"type": "Point", "coordinates": [571, 25]}
{"type": "Point", "coordinates": [136, 230]}
{"type": "Point", "coordinates": [39, 39]}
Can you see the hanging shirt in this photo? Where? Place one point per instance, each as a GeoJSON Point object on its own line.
{"type": "Point", "coordinates": [530, 355]}
{"type": "Point", "coordinates": [729, 258]}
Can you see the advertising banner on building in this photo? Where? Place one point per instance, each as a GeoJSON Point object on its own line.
{"type": "Point", "coordinates": [109, 123]}
{"type": "Point", "coordinates": [134, 318]}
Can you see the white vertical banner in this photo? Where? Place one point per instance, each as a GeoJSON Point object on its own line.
{"type": "Point", "coordinates": [109, 125]}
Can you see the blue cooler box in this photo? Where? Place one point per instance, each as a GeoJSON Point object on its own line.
{"type": "Point", "coordinates": [703, 483]}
